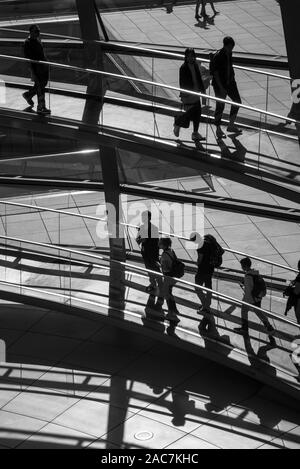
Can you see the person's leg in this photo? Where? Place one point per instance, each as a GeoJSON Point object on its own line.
{"type": "Point", "coordinates": [263, 318]}
{"type": "Point", "coordinates": [208, 318]}
{"type": "Point", "coordinates": [297, 311]}
{"type": "Point", "coordinates": [219, 110]}
{"type": "Point", "coordinates": [150, 266]}
{"type": "Point", "coordinates": [199, 280]}
{"type": "Point", "coordinates": [172, 308]}
{"type": "Point", "coordinates": [203, 10]}
{"type": "Point", "coordinates": [208, 295]}
{"type": "Point", "coordinates": [213, 8]}
{"type": "Point", "coordinates": [234, 95]}
{"type": "Point", "coordinates": [244, 317]}
{"type": "Point", "coordinates": [196, 116]}
{"type": "Point", "coordinates": [197, 9]}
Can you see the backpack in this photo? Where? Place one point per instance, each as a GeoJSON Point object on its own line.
{"type": "Point", "coordinates": [216, 254]}
{"type": "Point", "coordinates": [178, 267]}
{"type": "Point", "coordinates": [259, 287]}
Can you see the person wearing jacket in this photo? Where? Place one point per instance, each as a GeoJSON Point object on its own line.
{"type": "Point", "coordinates": [224, 84]}
{"type": "Point", "coordinates": [147, 239]}
{"type": "Point", "coordinates": [250, 273]}
{"type": "Point", "coordinates": [166, 262]}
{"type": "Point", "coordinates": [34, 50]}
{"type": "Point", "coordinates": [190, 79]}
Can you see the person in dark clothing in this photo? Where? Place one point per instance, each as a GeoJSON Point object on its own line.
{"type": "Point", "coordinates": [34, 50]}
{"type": "Point", "coordinates": [190, 79]}
{"type": "Point", "coordinates": [148, 239]}
{"type": "Point", "coordinates": [224, 85]}
{"type": "Point", "coordinates": [297, 294]}
{"type": "Point", "coordinates": [248, 297]}
{"type": "Point", "coordinates": [205, 271]}
{"type": "Point", "coordinates": [167, 258]}
{"type": "Point", "coordinates": [203, 9]}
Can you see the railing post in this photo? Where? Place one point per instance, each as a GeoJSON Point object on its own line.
{"type": "Point", "coordinates": [115, 227]}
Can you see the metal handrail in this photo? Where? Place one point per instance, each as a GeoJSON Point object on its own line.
{"type": "Point", "coordinates": [155, 51]}
{"type": "Point", "coordinates": [173, 235]}
{"type": "Point", "coordinates": [158, 274]}
{"type": "Point", "coordinates": [152, 83]}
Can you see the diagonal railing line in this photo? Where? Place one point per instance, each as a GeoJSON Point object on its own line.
{"type": "Point", "coordinates": [167, 55]}
{"type": "Point", "coordinates": [143, 270]}
{"type": "Point", "coordinates": [152, 83]}
{"type": "Point", "coordinates": [168, 234]}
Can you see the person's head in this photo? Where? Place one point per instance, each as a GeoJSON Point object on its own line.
{"type": "Point", "coordinates": [228, 43]}
{"type": "Point", "coordinates": [34, 31]}
{"type": "Point", "coordinates": [246, 264]}
{"type": "Point", "coordinates": [146, 216]}
{"type": "Point", "coordinates": [210, 238]}
{"type": "Point", "coordinates": [190, 55]}
{"type": "Point", "coordinates": [165, 243]}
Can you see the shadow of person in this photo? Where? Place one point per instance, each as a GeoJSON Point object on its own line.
{"type": "Point", "coordinates": [239, 154]}
{"type": "Point", "coordinates": [153, 309]}
{"type": "Point", "coordinates": [241, 150]}
{"type": "Point", "coordinates": [154, 315]}
{"type": "Point", "coordinates": [181, 406]}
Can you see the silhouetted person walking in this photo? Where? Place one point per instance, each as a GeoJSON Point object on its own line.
{"type": "Point", "coordinates": [34, 50]}
{"type": "Point", "coordinates": [167, 259]}
{"type": "Point", "coordinates": [148, 239]}
{"type": "Point", "coordinates": [224, 84]}
{"type": "Point", "coordinates": [209, 256]}
{"type": "Point", "coordinates": [203, 9]}
{"type": "Point", "coordinates": [190, 79]}
{"type": "Point", "coordinates": [253, 294]}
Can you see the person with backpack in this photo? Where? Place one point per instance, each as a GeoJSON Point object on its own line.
{"type": "Point", "coordinates": [254, 291]}
{"type": "Point", "coordinates": [147, 239]}
{"type": "Point", "coordinates": [190, 79]}
{"type": "Point", "coordinates": [169, 266]}
{"type": "Point", "coordinates": [209, 257]}
{"type": "Point", "coordinates": [224, 84]}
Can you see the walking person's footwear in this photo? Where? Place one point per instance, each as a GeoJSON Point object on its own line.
{"type": "Point", "coordinates": [196, 137]}
{"type": "Point", "coordinates": [43, 111]}
{"type": "Point", "coordinates": [150, 288]}
{"type": "Point", "coordinates": [28, 99]}
{"type": "Point", "coordinates": [172, 318]}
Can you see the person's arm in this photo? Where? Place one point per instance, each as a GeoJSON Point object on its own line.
{"type": "Point", "coordinates": [26, 50]}
{"type": "Point", "coordinates": [249, 284]}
